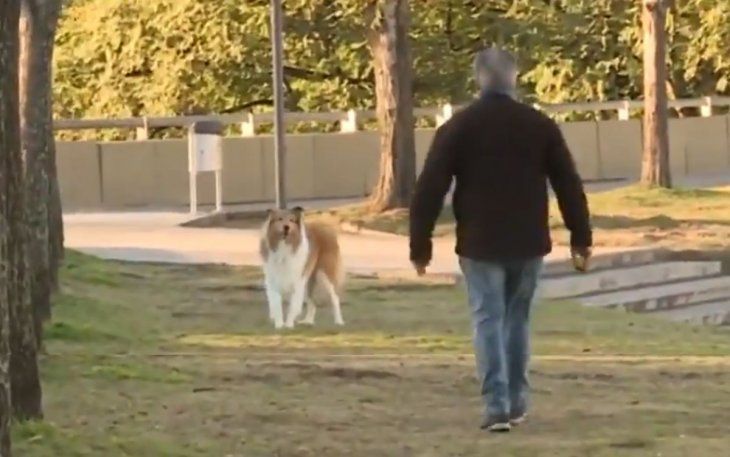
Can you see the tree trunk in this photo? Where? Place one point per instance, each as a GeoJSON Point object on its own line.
{"type": "Point", "coordinates": [655, 170]}
{"type": "Point", "coordinates": [55, 219]}
{"type": "Point", "coordinates": [9, 147]}
{"type": "Point", "coordinates": [390, 48]}
{"type": "Point", "coordinates": [37, 30]}
{"type": "Point", "coordinates": [24, 377]}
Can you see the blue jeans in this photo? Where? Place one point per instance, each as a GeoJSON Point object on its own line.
{"type": "Point", "coordinates": [501, 295]}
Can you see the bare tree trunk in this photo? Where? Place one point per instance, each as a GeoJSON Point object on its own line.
{"type": "Point", "coordinates": [55, 213]}
{"type": "Point", "coordinates": [24, 377]}
{"type": "Point", "coordinates": [55, 218]}
{"type": "Point", "coordinates": [655, 170]}
{"type": "Point", "coordinates": [9, 147]}
{"type": "Point", "coordinates": [390, 48]}
{"type": "Point", "coordinates": [37, 29]}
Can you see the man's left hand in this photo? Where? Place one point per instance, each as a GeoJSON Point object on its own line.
{"type": "Point", "coordinates": [420, 267]}
{"type": "Point", "coordinates": [581, 257]}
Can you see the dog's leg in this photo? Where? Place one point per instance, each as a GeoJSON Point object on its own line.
{"type": "Point", "coordinates": [296, 303]}
{"type": "Point", "coordinates": [311, 311]}
{"type": "Point", "coordinates": [276, 307]}
{"type": "Point", "coordinates": [267, 288]}
{"type": "Point", "coordinates": [334, 298]}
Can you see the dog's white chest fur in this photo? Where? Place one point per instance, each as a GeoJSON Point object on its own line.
{"type": "Point", "coordinates": [284, 267]}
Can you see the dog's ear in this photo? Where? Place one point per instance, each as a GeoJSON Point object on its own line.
{"type": "Point", "coordinates": [298, 212]}
{"type": "Point", "coordinates": [269, 213]}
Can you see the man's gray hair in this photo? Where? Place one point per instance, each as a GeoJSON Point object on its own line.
{"type": "Point", "coordinates": [495, 70]}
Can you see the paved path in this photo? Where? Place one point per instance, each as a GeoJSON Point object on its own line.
{"type": "Point", "coordinates": [157, 237]}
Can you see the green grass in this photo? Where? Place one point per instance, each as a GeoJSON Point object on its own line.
{"type": "Point", "coordinates": [146, 360]}
{"type": "Point", "coordinates": [395, 221]}
{"type": "Point", "coordinates": [666, 208]}
{"type": "Point", "coordinates": [119, 371]}
{"type": "Point", "coordinates": [630, 216]}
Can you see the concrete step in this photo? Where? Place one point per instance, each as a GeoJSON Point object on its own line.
{"type": "Point", "coordinates": [711, 313]}
{"type": "Point", "coordinates": [665, 296]}
{"type": "Point", "coordinates": [624, 278]}
{"type": "Point", "coordinates": [623, 259]}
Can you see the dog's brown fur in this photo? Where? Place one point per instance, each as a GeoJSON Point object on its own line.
{"type": "Point", "coordinates": [324, 254]}
{"type": "Point", "coordinates": [317, 261]}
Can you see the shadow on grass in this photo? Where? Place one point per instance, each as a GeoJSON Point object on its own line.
{"type": "Point", "coordinates": [616, 222]}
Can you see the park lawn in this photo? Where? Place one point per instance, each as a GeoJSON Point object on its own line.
{"type": "Point", "coordinates": [154, 360]}
{"type": "Point", "coordinates": [630, 216]}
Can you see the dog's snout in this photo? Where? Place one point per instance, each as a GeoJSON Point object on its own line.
{"type": "Point", "coordinates": [287, 229]}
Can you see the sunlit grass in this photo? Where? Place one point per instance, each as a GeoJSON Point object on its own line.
{"type": "Point", "coordinates": [149, 361]}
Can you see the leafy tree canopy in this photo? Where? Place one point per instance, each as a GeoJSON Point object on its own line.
{"type": "Point", "coordinates": [154, 57]}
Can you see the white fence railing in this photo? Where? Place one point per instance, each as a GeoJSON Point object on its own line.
{"type": "Point", "coordinates": [349, 121]}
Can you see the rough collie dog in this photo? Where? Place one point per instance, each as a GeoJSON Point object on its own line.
{"type": "Point", "coordinates": [301, 263]}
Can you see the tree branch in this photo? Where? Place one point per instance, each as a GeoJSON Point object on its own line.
{"type": "Point", "coordinates": [247, 105]}
{"type": "Point", "coordinates": [311, 75]}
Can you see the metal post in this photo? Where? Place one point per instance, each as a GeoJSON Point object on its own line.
{"type": "Point", "coordinates": [278, 82]}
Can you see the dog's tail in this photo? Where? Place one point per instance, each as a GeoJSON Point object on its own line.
{"type": "Point", "coordinates": [329, 256]}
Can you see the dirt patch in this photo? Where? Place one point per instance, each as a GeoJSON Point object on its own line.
{"type": "Point", "coordinates": [350, 373]}
{"type": "Point", "coordinates": [194, 314]}
{"type": "Point", "coordinates": [314, 371]}
{"type": "Point", "coordinates": [295, 373]}
{"type": "Point", "coordinates": [231, 288]}
{"type": "Point", "coordinates": [402, 287]}
{"type": "Point", "coordinates": [631, 444]}
{"type": "Point", "coordinates": [574, 376]}
{"type": "Point", "coordinates": [692, 375]}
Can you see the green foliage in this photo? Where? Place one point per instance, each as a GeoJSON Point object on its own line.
{"type": "Point", "coordinates": [124, 371]}
{"type": "Point", "coordinates": [700, 52]}
{"type": "Point", "coordinates": [136, 57]}
{"type": "Point", "coordinates": [72, 332]}
{"type": "Point", "coordinates": [120, 58]}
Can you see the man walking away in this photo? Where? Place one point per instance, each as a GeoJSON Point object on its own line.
{"type": "Point", "coordinates": [501, 153]}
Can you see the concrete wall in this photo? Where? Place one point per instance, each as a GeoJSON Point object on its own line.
{"type": "Point", "coordinates": [582, 139]}
{"type": "Point", "coordinates": [153, 173]}
{"type": "Point", "coordinates": [79, 174]}
{"type": "Point", "coordinates": [619, 148]}
{"type": "Point", "coordinates": [699, 145]}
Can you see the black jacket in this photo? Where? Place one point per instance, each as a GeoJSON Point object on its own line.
{"type": "Point", "coordinates": [501, 153]}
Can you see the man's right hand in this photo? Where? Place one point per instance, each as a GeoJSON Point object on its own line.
{"type": "Point", "coordinates": [420, 267]}
{"type": "Point", "coordinates": [581, 257]}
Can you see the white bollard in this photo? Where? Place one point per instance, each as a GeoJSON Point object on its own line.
{"type": "Point", "coordinates": [143, 133]}
{"type": "Point", "coordinates": [349, 123]}
{"type": "Point", "coordinates": [624, 114]}
{"type": "Point", "coordinates": [706, 107]}
{"type": "Point", "coordinates": [248, 125]}
{"type": "Point", "coordinates": [446, 112]}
